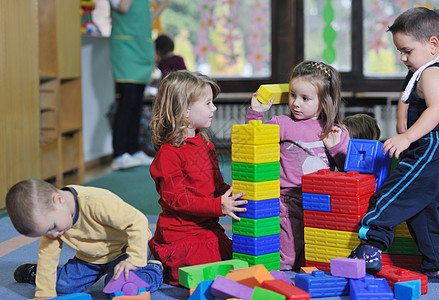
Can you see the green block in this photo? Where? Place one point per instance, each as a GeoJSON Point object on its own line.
{"type": "Point", "coordinates": [264, 294]}
{"type": "Point", "coordinates": [256, 227]}
{"type": "Point", "coordinates": [256, 172]}
{"type": "Point", "coordinates": [393, 164]}
{"type": "Point", "coordinates": [191, 276]}
{"type": "Point", "coordinates": [271, 261]}
{"type": "Point", "coordinates": [403, 246]}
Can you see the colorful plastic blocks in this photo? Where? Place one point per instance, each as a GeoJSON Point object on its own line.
{"type": "Point", "coordinates": [278, 91]}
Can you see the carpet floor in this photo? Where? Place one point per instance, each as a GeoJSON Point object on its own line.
{"type": "Point", "coordinates": [137, 188]}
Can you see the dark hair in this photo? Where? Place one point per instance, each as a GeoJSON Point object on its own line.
{"type": "Point", "coordinates": [362, 126]}
{"type": "Point", "coordinates": [27, 198]}
{"type": "Point", "coordinates": [164, 44]}
{"type": "Point", "coordinates": [419, 22]}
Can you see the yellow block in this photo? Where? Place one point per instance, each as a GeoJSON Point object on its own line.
{"type": "Point", "coordinates": [331, 238]}
{"type": "Point", "coordinates": [257, 190]}
{"type": "Point", "coordinates": [278, 91]}
{"type": "Point", "coordinates": [255, 133]}
{"type": "Point", "coordinates": [324, 254]}
{"type": "Point", "coordinates": [402, 231]}
{"type": "Point", "coordinates": [255, 154]}
{"type": "Point", "coordinates": [251, 276]}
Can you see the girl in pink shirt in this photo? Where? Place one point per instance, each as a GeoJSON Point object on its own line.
{"type": "Point", "coordinates": [311, 139]}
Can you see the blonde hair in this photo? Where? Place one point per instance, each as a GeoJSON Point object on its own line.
{"type": "Point", "coordinates": [362, 126]}
{"type": "Point", "coordinates": [27, 198]}
{"type": "Point", "coordinates": [175, 94]}
{"type": "Point", "coordinates": [327, 81]}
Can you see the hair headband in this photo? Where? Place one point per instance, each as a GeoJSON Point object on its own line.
{"type": "Point", "coordinates": [321, 67]}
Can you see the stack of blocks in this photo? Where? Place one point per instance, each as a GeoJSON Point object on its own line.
{"type": "Point", "coordinates": [335, 202]}
{"type": "Point", "coordinates": [256, 172]}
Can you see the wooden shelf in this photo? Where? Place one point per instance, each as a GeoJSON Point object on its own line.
{"type": "Point", "coordinates": [60, 90]}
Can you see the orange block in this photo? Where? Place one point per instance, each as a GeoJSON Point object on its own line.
{"type": "Point", "coordinates": [308, 269]}
{"type": "Point", "coordinates": [141, 296]}
{"type": "Point", "coordinates": [282, 287]}
{"type": "Point", "coordinates": [252, 276]}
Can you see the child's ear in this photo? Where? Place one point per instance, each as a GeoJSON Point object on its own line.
{"type": "Point", "coordinates": [434, 45]}
{"type": "Point", "coordinates": [57, 198]}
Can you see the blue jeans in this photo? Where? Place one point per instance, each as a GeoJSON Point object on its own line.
{"type": "Point", "coordinates": [77, 275]}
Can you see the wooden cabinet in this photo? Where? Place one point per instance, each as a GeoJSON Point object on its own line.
{"type": "Point", "coordinates": [60, 91]}
{"type": "Point", "coordinates": [40, 92]}
{"type": "Point", "coordinates": [19, 97]}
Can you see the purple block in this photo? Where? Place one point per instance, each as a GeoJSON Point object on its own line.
{"type": "Point", "coordinates": [280, 275]}
{"type": "Point", "coordinates": [348, 267]}
{"type": "Point", "coordinates": [226, 288]}
{"type": "Point", "coordinates": [128, 287]}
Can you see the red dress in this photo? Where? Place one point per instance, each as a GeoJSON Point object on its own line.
{"type": "Point", "coordinates": [190, 186]}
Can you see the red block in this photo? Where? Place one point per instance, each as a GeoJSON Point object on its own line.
{"type": "Point", "coordinates": [334, 183]}
{"type": "Point", "coordinates": [409, 262]}
{"type": "Point", "coordinates": [330, 220]}
{"type": "Point", "coordinates": [288, 290]}
{"type": "Point", "coordinates": [350, 205]}
{"type": "Point", "coordinates": [394, 274]}
{"type": "Point", "coordinates": [325, 267]}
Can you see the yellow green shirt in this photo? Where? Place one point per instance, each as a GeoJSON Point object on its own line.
{"type": "Point", "coordinates": [105, 225]}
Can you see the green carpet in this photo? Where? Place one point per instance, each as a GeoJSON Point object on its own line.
{"type": "Point", "coordinates": [137, 188]}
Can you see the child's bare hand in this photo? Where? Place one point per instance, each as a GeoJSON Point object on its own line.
{"type": "Point", "coordinates": [258, 106]}
{"type": "Point", "coordinates": [229, 204]}
{"type": "Point", "coordinates": [396, 145]}
{"type": "Point", "coordinates": [333, 138]}
{"type": "Point", "coordinates": [123, 267]}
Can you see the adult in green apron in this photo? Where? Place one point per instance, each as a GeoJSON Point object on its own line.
{"type": "Point", "coordinates": [132, 59]}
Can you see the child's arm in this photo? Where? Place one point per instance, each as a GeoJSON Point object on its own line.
{"type": "Point", "coordinates": [257, 110]}
{"type": "Point", "coordinates": [401, 117]}
{"type": "Point", "coordinates": [428, 89]}
{"type": "Point", "coordinates": [336, 144]}
{"type": "Point", "coordinates": [48, 259]}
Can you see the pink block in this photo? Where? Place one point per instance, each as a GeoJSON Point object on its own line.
{"type": "Point", "coordinates": [348, 267]}
{"type": "Point", "coordinates": [226, 288]}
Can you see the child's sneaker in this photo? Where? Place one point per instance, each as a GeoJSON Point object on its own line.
{"type": "Point", "coordinates": [26, 273]}
{"type": "Point", "coordinates": [372, 256]}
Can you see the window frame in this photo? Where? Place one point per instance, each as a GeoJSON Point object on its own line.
{"type": "Point", "coordinates": [287, 38]}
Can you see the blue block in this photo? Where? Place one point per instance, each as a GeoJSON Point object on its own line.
{"type": "Point", "coordinates": [256, 245]}
{"type": "Point", "coordinates": [408, 290]}
{"type": "Point", "coordinates": [321, 284]}
{"type": "Point", "coordinates": [369, 287]}
{"type": "Point", "coordinates": [366, 156]}
{"type": "Point", "coordinates": [320, 202]}
{"type": "Point", "coordinates": [260, 209]}
{"type": "Point", "coordinates": [202, 292]}
{"type": "Point", "coordinates": [76, 296]}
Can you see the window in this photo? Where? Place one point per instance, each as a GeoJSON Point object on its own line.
{"type": "Point", "coordinates": [222, 39]}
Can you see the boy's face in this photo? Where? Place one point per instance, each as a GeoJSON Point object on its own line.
{"type": "Point", "coordinates": [414, 54]}
{"type": "Point", "coordinates": [54, 222]}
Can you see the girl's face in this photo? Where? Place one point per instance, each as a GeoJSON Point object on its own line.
{"type": "Point", "coordinates": [414, 54]}
{"type": "Point", "coordinates": [200, 112]}
{"type": "Point", "coordinates": [304, 100]}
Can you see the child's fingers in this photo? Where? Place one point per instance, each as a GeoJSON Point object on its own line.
{"type": "Point", "coordinates": [127, 272]}
{"type": "Point", "coordinates": [234, 216]}
{"type": "Point", "coordinates": [236, 196]}
{"type": "Point", "coordinates": [241, 202]}
{"type": "Point", "coordinates": [117, 272]}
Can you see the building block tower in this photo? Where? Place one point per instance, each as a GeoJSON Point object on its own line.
{"type": "Point", "coordinates": [335, 202]}
{"type": "Point", "coordinates": [256, 172]}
